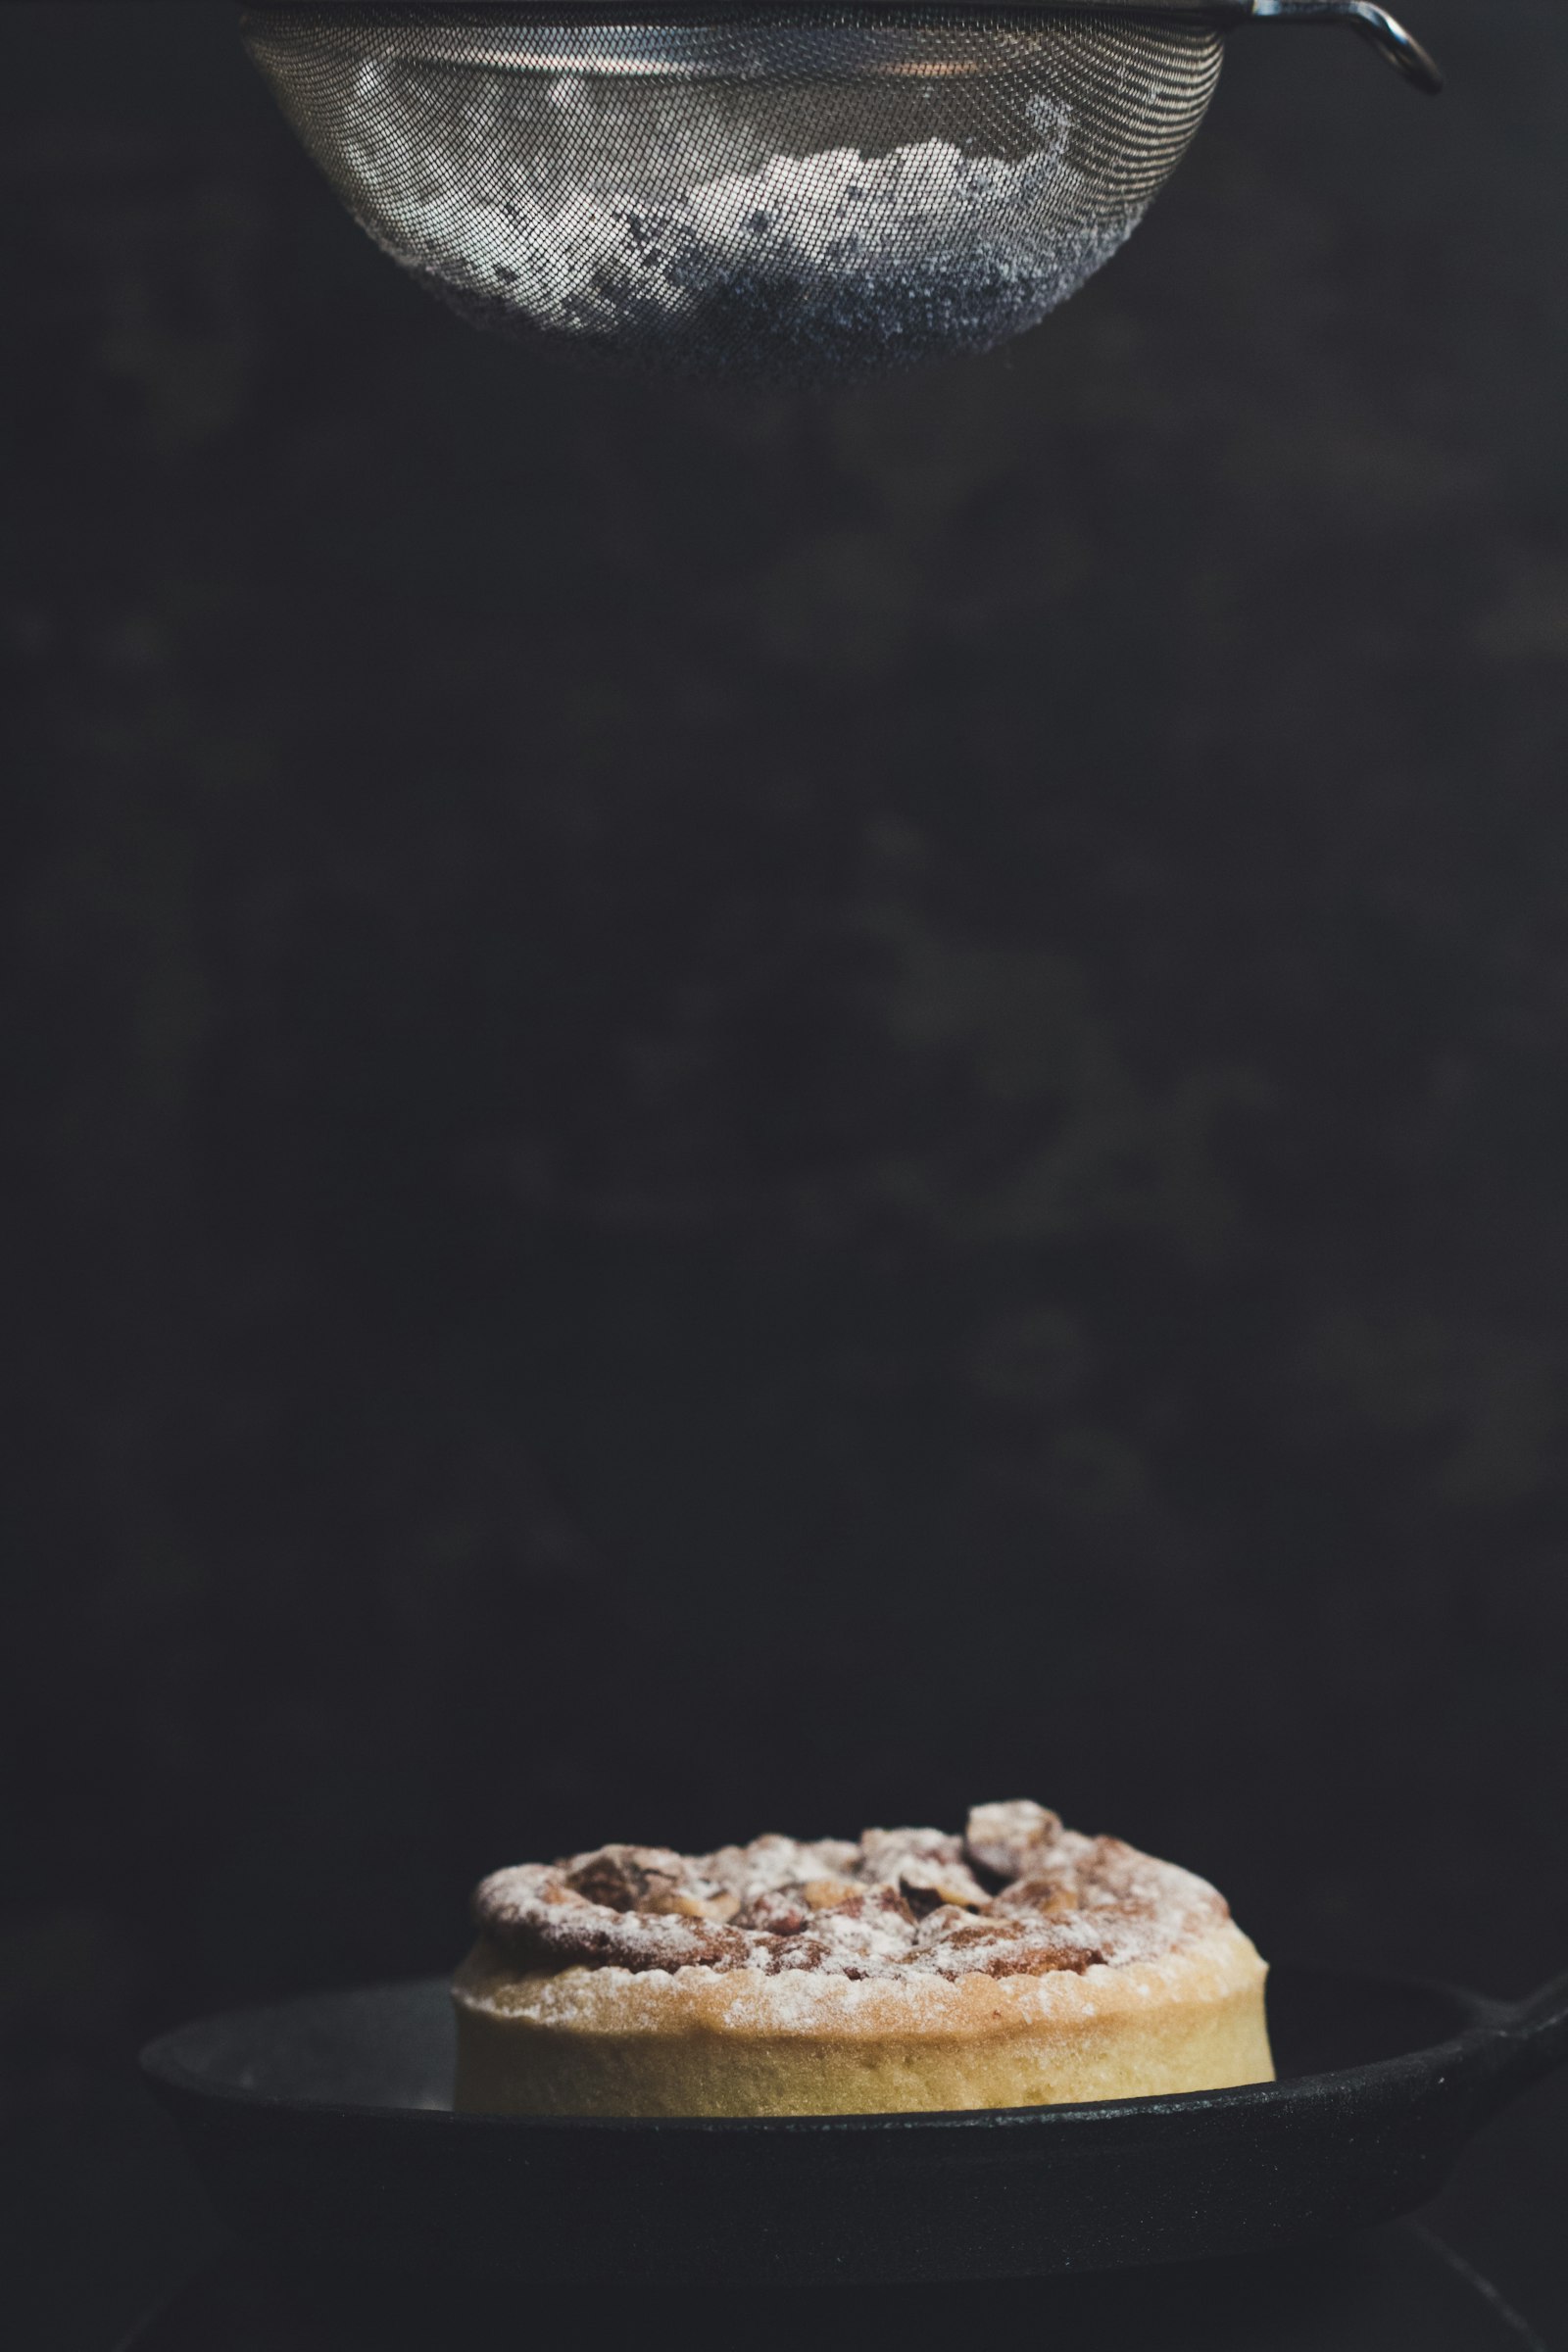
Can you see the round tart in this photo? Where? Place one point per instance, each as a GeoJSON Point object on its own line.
{"type": "Point", "coordinates": [1019, 1965]}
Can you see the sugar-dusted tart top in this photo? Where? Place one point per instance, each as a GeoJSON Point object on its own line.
{"type": "Point", "coordinates": [1015, 1895]}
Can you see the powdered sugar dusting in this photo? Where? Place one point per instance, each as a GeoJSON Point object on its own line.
{"type": "Point", "coordinates": [1017, 1894]}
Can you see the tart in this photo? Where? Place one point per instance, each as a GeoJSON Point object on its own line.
{"type": "Point", "coordinates": [1019, 1965]}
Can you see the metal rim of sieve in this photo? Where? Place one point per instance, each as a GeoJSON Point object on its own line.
{"type": "Point", "coordinates": [641, 46]}
{"type": "Point", "coordinates": [662, 41]}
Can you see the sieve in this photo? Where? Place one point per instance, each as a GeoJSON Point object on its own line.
{"type": "Point", "coordinates": [799, 194]}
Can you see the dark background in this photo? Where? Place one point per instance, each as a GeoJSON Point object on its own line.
{"type": "Point", "coordinates": [731, 1111]}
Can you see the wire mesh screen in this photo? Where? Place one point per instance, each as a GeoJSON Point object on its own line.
{"type": "Point", "coordinates": [811, 195]}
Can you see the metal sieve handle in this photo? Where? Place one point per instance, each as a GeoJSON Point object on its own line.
{"type": "Point", "coordinates": [1386, 34]}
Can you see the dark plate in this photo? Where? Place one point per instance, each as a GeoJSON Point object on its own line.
{"type": "Point", "coordinates": [324, 2129]}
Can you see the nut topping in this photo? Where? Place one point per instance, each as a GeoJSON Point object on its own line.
{"type": "Point", "coordinates": [895, 1901]}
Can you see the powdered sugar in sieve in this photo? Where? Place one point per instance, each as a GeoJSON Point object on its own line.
{"type": "Point", "coordinates": [815, 194]}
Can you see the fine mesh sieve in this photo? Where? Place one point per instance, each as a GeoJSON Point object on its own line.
{"type": "Point", "coordinates": [803, 194]}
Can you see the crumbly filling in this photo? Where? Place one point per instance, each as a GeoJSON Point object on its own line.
{"type": "Point", "coordinates": [1017, 1894]}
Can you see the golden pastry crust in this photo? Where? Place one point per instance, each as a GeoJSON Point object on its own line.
{"type": "Point", "coordinates": [888, 1975]}
{"type": "Point", "coordinates": [612, 2041]}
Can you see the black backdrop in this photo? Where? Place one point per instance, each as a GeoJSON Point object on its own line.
{"type": "Point", "coordinates": [726, 1112]}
